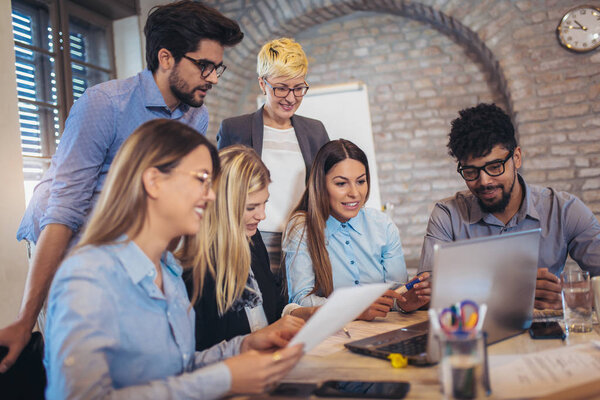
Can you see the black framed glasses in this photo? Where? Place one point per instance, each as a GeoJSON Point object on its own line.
{"type": "Point", "coordinates": [207, 67]}
{"type": "Point", "coordinates": [283, 91]}
{"type": "Point", "coordinates": [492, 168]}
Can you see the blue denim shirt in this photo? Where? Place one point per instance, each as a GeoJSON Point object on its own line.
{"type": "Point", "coordinates": [365, 249]}
{"type": "Point", "coordinates": [98, 123]}
{"type": "Point", "coordinates": [112, 332]}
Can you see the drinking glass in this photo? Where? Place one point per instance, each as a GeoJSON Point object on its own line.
{"type": "Point", "coordinates": [463, 367]}
{"type": "Point", "coordinates": [577, 300]}
{"type": "Point", "coordinates": [596, 290]}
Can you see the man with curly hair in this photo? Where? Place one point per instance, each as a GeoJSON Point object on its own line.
{"type": "Point", "coordinates": [482, 140]}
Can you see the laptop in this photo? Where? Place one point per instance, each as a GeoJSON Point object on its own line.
{"type": "Point", "coordinates": [498, 270]}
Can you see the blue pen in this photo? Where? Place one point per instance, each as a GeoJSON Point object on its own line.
{"type": "Point", "coordinates": [405, 288]}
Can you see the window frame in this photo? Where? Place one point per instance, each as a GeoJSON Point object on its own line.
{"type": "Point", "coordinates": [59, 13]}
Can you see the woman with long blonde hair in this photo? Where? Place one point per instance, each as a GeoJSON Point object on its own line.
{"type": "Point", "coordinates": [119, 321]}
{"type": "Point", "coordinates": [240, 294]}
{"type": "Point", "coordinates": [333, 241]}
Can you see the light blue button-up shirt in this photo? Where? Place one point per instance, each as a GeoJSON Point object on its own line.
{"type": "Point", "coordinates": [112, 333]}
{"type": "Point", "coordinates": [98, 123]}
{"type": "Point", "coordinates": [365, 249]}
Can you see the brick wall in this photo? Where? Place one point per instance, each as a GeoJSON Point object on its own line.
{"type": "Point", "coordinates": [422, 62]}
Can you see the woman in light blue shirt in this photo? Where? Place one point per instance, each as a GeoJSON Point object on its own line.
{"type": "Point", "coordinates": [119, 321]}
{"type": "Point", "coordinates": [332, 241]}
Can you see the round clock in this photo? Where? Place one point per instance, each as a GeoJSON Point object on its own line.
{"type": "Point", "coordinates": [579, 29]}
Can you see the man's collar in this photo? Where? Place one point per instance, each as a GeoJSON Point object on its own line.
{"type": "Point", "coordinates": [527, 208]}
{"type": "Point", "coordinates": [356, 224]}
{"type": "Point", "coordinates": [152, 96]}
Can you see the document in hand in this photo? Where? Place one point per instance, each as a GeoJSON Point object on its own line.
{"type": "Point", "coordinates": [342, 306]}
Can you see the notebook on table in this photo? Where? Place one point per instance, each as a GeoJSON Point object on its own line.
{"type": "Point", "coordinates": [497, 270]}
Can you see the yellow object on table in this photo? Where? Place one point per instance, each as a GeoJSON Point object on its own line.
{"type": "Point", "coordinates": [398, 360]}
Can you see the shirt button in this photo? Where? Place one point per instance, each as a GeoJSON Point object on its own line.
{"type": "Point", "coordinates": [150, 273]}
{"type": "Point", "coordinates": [356, 282]}
{"type": "Point", "coordinates": [343, 225]}
{"type": "Point", "coordinates": [347, 242]}
{"type": "Point", "coordinates": [352, 262]}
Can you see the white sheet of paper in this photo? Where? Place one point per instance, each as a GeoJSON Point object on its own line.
{"type": "Point", "coordinates": [544, 372]}
{"type": "Point", "coordinates": [342, 306]}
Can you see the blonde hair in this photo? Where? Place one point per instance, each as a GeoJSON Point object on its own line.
{"type": "Point", "coordinates": [282, 57]}
{"type": "Point", "coordinates": [227, 256]}
{"type": "Point", "coordinates": [309, 217]}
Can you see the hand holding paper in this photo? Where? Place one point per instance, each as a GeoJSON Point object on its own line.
{"type": "Point", "coordinates": [342, 306]}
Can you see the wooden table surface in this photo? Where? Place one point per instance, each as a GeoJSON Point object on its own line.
{"type": "Point", "coordinates": [424, 383]}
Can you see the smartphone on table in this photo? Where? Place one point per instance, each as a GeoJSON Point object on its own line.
{"type": "Point", "coordinates": [546, 330]}
{"type": "Point", "coordinates": [364, 389]}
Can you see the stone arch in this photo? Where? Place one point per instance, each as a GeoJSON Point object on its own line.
{"type": "Point", "coordinates": [267, 19]}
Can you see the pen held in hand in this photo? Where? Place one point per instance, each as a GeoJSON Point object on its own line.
{"type": "Point", "coordinates": [405, 288]}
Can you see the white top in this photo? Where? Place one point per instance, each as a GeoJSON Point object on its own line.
{"type": "Point", "coordinates": [281, 154]}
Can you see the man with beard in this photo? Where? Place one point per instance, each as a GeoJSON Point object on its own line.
{"type": "Point", "coordinates": [185, 43]}
{"type": "Point", "coordinates": [482, 140]}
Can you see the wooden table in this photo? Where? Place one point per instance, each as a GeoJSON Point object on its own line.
{"type": "Point", "coordinates": [424, 383]}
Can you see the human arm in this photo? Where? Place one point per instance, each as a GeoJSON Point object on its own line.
{"type": "Point", "coordinates": [50, 250]}
{"type": "Point", "coordinates": [299, 271]}
{"type": "Point", "coordinates": [582, 233]}
{"type": "Point", "coordinates": [439, 230]}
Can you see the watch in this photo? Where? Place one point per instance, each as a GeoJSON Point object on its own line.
{"type": "Point", "coordinates": [579, 29]}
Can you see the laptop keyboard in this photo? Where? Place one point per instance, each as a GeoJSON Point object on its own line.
{"type": "Point", "coordinates": [408, 347]}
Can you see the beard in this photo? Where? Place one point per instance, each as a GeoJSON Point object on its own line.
{"type": "Point", "coordinates": [500, 205]}
{"type": "Point", "coordinates": [180, 90]}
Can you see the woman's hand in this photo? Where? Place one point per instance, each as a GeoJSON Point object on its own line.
{"type": "Point", "coordinates": [418, 296]}
{"type": "Point", "coordinates": [274, 336]}
{"type": "Point", "coordinates": [380, 307]}
{"type": "Point", "coordinates": [254, 372]}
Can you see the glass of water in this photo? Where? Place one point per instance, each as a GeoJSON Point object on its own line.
{"type": "Point", "coordinates": [577, 300]}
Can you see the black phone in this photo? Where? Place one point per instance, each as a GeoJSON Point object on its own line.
{"type": "Point", "coordinates": [3, 352]}
{"type": "Point", "coordinates": [293, 389]}
{"type": "Point", "coordinates": [364, 389]}
{"type": "Point", "coordinates": [546, 330]}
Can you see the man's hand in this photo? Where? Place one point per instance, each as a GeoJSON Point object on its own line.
{"type": "Point", "coordinates": [274, 336]}
{"type": "Point", "coordinates": [380, 307]}
{"type": "Point", "coordinates": [418, 296]}
{"type": "Point", "coordinates": [304, 312]}
{"type": "Point", "coordinates": [49, 253]}
{"type": "Point", "coordinates": [15, 336]}
{"type": "Point", "coordinates": [547, 291]}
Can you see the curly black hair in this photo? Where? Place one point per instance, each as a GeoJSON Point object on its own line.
{"type": "Point", "coordinates": [478, 130]}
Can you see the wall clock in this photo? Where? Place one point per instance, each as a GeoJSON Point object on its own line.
{"type": "Point", "coordinates": [579, 29]}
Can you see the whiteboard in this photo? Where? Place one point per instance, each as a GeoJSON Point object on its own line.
{"type": "Point", "coordinates": [344, 110]}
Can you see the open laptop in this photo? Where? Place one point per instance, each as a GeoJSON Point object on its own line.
{"type": "Point", "coordinates": [497, 270]}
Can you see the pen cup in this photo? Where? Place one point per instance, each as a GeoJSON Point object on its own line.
{"type": "Point", "coordinates": [577, 300]}
{"type": "Point", "coordinates": [463, 366]}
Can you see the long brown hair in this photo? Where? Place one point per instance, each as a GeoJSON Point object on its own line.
{"type": "Point", "coordinates": [122, 206]}
{"type": "Point", "coordinates": [227, 256]}
{"type": "Point", "coordinates": [309, 217]}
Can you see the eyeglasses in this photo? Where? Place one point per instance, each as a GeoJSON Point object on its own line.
{"type": "Point", "coordinates": [202, 176]}
{"type": "Point", "coordinates": [207, 67]}
{"type": "Point", "coordinates": [492, 168]}
{"type": "Point", "coordinates": [282, 91]}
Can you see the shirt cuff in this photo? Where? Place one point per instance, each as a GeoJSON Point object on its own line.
{"type": "Point", "coordinates": [287, 310]}
{"type": "Point", "coordinates": [215, 382]}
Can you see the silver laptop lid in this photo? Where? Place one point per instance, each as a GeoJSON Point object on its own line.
{"type": "Point", "coordinates": [497, 270]}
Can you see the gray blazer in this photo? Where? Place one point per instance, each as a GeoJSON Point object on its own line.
{"type": "Point", "coordinates": [248, 129]}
